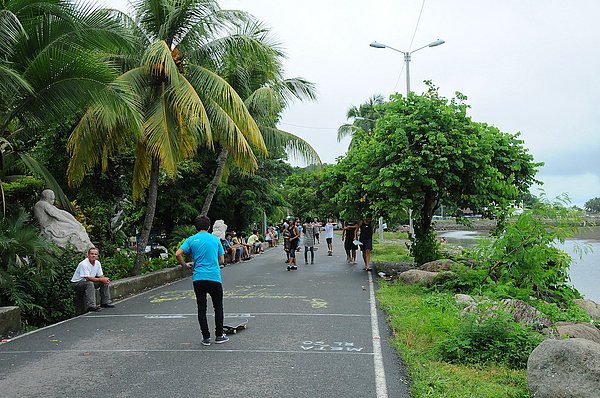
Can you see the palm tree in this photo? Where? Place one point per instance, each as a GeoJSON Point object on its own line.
{"type": "Point", "coordinates": [172, 102]}
{"type": "Point", "coordinates": [52, 57]}
{"type": "Point", "coordinates": [364, 118]}
{"type": "Point", "coordinates": [258, 78]}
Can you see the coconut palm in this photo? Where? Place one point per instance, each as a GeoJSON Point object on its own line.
{"type": "Point", "coordinates": [257, 77]}
{"type": "Point", "coordinates": [364, 117]}
{"type": "Point", "coordinates": [172, 102]}
{"type": "Point", "coordinates": [52, 57]}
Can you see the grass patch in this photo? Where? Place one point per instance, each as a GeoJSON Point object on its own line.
{"type": "Point", "coordinates": [420, 320]}
{"type": "Point", "coordinates": [390, 252]}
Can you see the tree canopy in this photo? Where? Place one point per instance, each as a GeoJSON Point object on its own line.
{"type": "Point", "coordinates": [426, 150]}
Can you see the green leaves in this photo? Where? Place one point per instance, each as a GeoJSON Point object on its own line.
{"type": "Point", "coordinates": [426, 150]}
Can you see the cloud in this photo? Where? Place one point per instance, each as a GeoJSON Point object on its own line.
{"type": "Point", "coordinates": [580, 188]}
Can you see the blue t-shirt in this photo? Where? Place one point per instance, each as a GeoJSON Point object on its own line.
{"type": "Point", "coordinates": [206, 249]}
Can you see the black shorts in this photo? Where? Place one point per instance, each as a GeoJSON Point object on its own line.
{"type": "Point", "coordinates": [348, 245]}
{"type": "Point", "coordinates": [366, 245]}
{"type": "Point", "coordinates": [329, 240]}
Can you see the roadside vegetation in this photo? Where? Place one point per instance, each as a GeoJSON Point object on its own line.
{"type": "Point", "coordinates": [483, 353]}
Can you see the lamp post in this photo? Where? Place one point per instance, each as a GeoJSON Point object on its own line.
{"type": "Point", "coordinates": [407, 55]}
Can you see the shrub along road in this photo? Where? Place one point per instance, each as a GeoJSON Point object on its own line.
{"type": "Point", "coordinates": [313, 332]}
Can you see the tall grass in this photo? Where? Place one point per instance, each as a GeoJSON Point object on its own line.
{"type": "Point", "coordinates": [420, 320]}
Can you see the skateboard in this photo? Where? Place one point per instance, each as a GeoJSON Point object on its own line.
{"type": "Point", "coordinates": [232, 325]}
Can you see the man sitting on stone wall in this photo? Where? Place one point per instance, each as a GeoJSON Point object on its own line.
{"type": "Point", "coordinates": [88, 277]}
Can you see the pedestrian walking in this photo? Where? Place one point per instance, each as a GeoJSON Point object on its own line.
{"type": "Point", "coordinates": [329, 236]}
{"type": "Point", "coordinates": [365, 226]}
{"type": "Point", "coordinates": [348, 237]}
{"type": "Point", "coordinates": [207, 254]}
{"type": "Point", "coordinates": [294, 240]}
{"type": "Point", "coordinates": [308, 229]}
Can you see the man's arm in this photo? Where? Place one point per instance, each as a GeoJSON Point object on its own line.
{"type": "Point", "coordinates": [179, 255]}
{"type": "Point", "coordinates": [221, 259]}
{"type": "Point", "coordinates": [99, 278]}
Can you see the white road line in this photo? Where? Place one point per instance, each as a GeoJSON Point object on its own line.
{"type": "Point", "coordinates": [205, 350]}
{"type": "Point", "coordinates": [248, 315]}
{"type": "Point", "coordinates": [380, 383]}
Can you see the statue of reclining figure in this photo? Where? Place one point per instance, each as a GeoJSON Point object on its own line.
{"type": "Point", "coordinates": [60, 226]}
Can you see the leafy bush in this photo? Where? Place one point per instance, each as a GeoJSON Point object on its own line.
{"type": "Point", "coordinates": [119, 265]}
{"type": "Point", "coordinates": [490, 340]}
{"type": "Point", "coordinates": [523, 259]}
{"type": "Point", "coordinates": [568, 312]}
{"type": "Point", "coordinates": [34, 274]}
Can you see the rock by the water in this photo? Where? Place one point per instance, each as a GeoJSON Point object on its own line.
{"type": "Point", "coordinates": [464, 299]}
{"type": "Point", "coordinates": [525, 313]}
{"type": "Point", "coordinates": [590, 307]}
{"type": "Point", "coordinates": [416, 276]}
{"type": "Point", "coordinates": [564, 369]}
{"type": "Point", "coordinates": [578, 330]}
{"type": "Point", "coordinates": [438, 265]}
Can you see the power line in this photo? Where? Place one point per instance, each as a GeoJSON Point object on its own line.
{"type": "Point", "coordinates": [309, 127]}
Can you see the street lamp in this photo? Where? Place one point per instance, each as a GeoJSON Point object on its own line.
{"type": "Point", "coordinates": [407, 61]}
{"type": "Point", "coordinates": [407, 56]}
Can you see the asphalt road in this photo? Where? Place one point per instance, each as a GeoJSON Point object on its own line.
{"type": "Point", "coordinates": [313, 332]}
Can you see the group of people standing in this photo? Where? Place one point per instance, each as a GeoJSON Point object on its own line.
{"type": "Point", "coordinates": [354, 234]}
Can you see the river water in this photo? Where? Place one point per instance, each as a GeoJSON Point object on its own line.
{"type": "Point", "coordinates": [585, 269]}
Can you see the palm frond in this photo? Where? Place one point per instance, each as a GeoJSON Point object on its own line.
{"type": "Point", "coordinates": [296, 146]}
{"type": "Point", "coordinates": [40, 171]}
{"type": "Point", "coordinates": [346, 130]}
{"type": "Point", "coordinates": [211, 87]}
{"type": "Point", "coordinates": [10, 31]}
{"type": "Point", "coordinates": [159, 63]}
{"type": "Point", "coordinates": [108, 124]}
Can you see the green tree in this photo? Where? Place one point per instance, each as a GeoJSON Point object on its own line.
{"type": "Point", "coordinates": [363, 117]}
{"type": "Point", "coordinates": [425, 151]}
{"type": "Point", "coordinates": [258, 78]}
{"type": "Point", "coordinates": [52, 62]}
{"type": "Point", "coordinates": [592, 205]}
{"type": "Point", "coordinates": [170, 103]}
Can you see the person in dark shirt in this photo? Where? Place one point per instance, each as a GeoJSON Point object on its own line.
{"type": "Point", "coordinates": [365, 226]}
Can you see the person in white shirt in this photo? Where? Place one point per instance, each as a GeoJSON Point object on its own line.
{"type": "Point", "coordinates": [88, 277]}
{"type": "Point", "coordinates": [329, 236]}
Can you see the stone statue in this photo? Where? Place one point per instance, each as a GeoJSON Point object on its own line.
{"type": "Point", "coordinates": [60, 226]}
{"type": "Point", "coordinates": [219, 229]}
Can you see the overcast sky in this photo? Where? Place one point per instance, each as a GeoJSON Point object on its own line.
{"type": "Point", "coordinates": [526, 66]}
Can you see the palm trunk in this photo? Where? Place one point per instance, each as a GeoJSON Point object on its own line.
{"type": "Point", "coordinates": [221, 160]}
{"type": "Point", "coordinates": [149, 218]}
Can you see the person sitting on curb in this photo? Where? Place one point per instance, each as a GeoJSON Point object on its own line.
{"type": "Point", "coordinates": [88, 277]}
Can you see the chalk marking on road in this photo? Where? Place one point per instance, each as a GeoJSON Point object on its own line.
{"type": "Point", "coordinates": [380, 382]}
{"type": "Point", "coordinates": [205, 350]}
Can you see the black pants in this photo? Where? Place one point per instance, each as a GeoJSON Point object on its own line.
{"type": "Point", "coordinates": [312, 254]}
{"type": "Point", "coordinates": [215, 290]}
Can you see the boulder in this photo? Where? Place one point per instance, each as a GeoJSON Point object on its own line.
{"type": "Point", "coordinates": [416, 276]}
{"type": "Point", "coordinates": [590, 307]}
{"type": "Point", "coordinates": [525, 313]}
{"type": "Point", "coordinates": [564, 368]}
{"type": "Point", "coordinates": [464, 299]}
{"type": "Point", "coordinates": [438, 265]}
{"type": "Point", "coordinates": [578, 330]}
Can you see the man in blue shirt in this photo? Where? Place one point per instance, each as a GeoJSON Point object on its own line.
{"type": "Point", "coordinates": [208, 254]}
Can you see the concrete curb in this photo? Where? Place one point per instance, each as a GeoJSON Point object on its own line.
{"type": "Point", "coordinates": [10, 320]}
